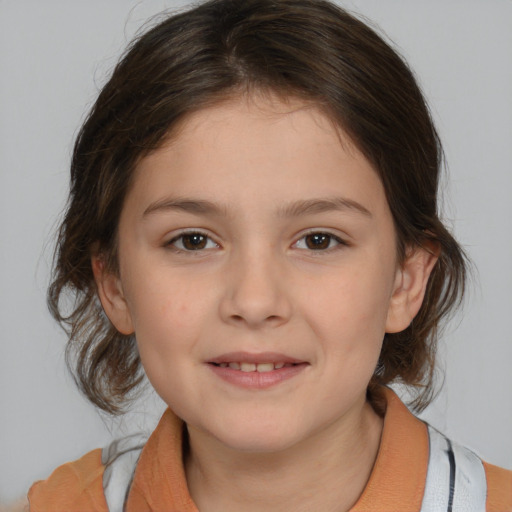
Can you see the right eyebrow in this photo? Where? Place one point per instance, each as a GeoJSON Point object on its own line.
{"type": "Point", "coordinates": [197, 206]}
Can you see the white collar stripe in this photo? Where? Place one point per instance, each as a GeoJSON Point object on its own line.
{"type": "Point", "coordinates": [456, 479]}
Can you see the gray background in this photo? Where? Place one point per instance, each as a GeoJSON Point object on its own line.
{"type": "Point", "coordinates": [53, 57]}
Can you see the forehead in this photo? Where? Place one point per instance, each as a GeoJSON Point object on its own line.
{"type": "Point", "coordinates": [257, 150]}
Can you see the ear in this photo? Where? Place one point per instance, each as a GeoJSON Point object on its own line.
{"type": "Point", "coordinates": [410, 286]}
{"type": "Point", "coordinates": [111, 296]}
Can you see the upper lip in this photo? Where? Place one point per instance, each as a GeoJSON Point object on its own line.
{"type": "Point", "coordinates": [260, 357]}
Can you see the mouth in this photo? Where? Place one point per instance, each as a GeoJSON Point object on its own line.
{"type": "Point", "coordinates": [256, 371]}
{"type": "Point", "coordinates": [255, 367]}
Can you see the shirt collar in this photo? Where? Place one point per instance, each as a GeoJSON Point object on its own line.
{"type": "Point", "coordinates": [397, 480]}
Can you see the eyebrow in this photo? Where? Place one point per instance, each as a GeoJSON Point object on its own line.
{"type": "Point", "coordinates": [294, 209]}
{"type": "Point", "coordinates": [321, 205]}
{"type": "Point", "coordinates": [197, 206]}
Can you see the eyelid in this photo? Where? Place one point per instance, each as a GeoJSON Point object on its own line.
{"type": "Point", "coordinates": [190, 231]}
{"type": "Point", "coordinates": [341, 241]}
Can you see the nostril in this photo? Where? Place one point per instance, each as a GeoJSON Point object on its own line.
{"type": "Point", "coordinates": [254, 309]}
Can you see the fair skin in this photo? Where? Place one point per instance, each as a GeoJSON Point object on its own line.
{"type": "Point", "coordinates": [258, 269]}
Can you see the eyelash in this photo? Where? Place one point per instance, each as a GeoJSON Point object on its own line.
{"type": "Point", "coordinates": [339, 241]}
{"type": "Point", "coordinates": [331, 237]}
{"type": "Point", "coordinates": [172, 243]}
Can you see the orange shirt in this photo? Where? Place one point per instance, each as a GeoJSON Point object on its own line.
{"type": "Point", "coordinates": [396, 483]}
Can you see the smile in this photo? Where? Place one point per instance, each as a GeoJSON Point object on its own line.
{"type": "Point", "coordinates": [256, 371]}
{"type": "Point", "coordinates": [254, 367]}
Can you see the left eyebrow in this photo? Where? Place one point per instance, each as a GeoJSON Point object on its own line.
{"type": "Point", "coordinates": [312, 206]}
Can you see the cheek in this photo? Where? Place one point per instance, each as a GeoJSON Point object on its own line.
{"type": "Point", "coordinates": [356, 299]}
{"type": "Point", "coordinates": [350, 319]}
{"type": "Point", "coordinates": [169, 323]}
{"type": "Point", "coordinates": [166, 296]}
{"type": "Point", "coordinates": [168, 315]}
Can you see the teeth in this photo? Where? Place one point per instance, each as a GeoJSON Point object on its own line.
{"type": "Point", "coordinates": [247, 367]}
{"type": "Point", "coordinates": [265, 367]}
{"type": "Point", "coordinates": [252, 367]}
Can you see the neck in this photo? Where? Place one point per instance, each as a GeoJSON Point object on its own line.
{"type": "Point", "coordinates": [328, 471]}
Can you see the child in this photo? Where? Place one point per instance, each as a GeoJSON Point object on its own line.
{"type": "Point", "coordinates": [253, 219]}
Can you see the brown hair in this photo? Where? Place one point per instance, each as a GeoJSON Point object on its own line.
{"type": "Point", "coordinates": [309, 49]}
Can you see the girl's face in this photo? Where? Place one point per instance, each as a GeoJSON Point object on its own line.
{"type": "Point", "coordinates": [258, 269]}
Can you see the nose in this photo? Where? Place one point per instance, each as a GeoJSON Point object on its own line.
{"type": "Point", "coordinates": [255, 293]}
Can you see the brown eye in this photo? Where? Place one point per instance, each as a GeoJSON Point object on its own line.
{"type": "Point", "coordinates": [318, 241]}
{"type": "Point", "coordinates": [192, 242]}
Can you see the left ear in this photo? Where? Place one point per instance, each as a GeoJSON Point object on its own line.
{"type": "Point", "coordinates": [410, 285]}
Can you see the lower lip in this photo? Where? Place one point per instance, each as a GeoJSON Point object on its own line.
{"type": "Point", "coordinates": [257, 380]}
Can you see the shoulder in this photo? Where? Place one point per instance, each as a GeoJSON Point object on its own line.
{"type": "Point", "coordinates": [72, 487]}
{"type": "Point", "coordinates": [499, 488]}
{"type": "Point", "coordinates": [458, 479]}
{"type": "Point", "coordinates": [452, 474]}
